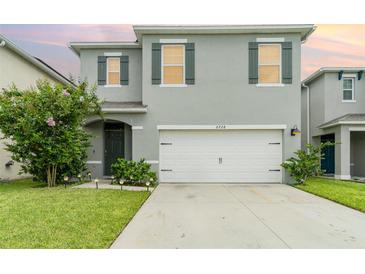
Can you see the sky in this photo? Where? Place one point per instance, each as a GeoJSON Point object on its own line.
{"type": "Point", "coordinates": [329, 45]}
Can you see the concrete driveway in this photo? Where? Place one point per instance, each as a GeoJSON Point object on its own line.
{"type": "Point", "coordinates": [241, 216]}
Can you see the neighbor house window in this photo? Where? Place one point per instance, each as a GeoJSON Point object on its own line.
{"type": "Point", "coordinates": [173, 64]}
{"type": "Point", "coordinates": [113, 71]}
{"type": "Point", "coordinates": [269, 64]}
{"type": "Point", "coordinates": [348, 89]}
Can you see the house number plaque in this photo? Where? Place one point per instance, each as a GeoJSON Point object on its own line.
{"type": "Point", "coordinates": [220, 127]}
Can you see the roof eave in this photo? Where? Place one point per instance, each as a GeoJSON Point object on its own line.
{"type": "Point", "coordinates": [305, 30]}
{"type": "Point", "coordinates": [77, 46]}
{"type": "Point", "coordinates": [323, 70]}
{"type": "Point", "coordinates": [35, 62]}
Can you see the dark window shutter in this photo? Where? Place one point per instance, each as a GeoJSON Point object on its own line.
{"type": "Point", "coordinates": [101, 70]}
{"type": "Point", "coordinates": [253, 59]}
{"type": "Point", "coordinates": [124, 70]}
{"type": "Point", "coordinates": [156, 63]}
{"type": "Point", "coordinates": [190, 64]}
{"type": "Point", "coordinates": [286, 62]}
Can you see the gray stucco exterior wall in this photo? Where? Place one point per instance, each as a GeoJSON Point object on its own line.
{"type": "Point", "coordinates": [221, 94]}
{"type": "Point", "coordinates": [326, 104]}
{"type": "Point", "coordinates": [130, 93]}
{"type": "Point", "coordinates": [334, 107]}
{"type": "Point", "coordinates": [358, 153]}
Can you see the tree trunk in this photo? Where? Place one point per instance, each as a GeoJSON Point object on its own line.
{"type": "Point", "coordinates": [51, 175]}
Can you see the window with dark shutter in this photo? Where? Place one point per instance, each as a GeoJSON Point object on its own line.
{"type": "Point", "coordinates": [156, 63]}
{"type": "Point", "coordinates": [124, 70]}
{"type": "Point", "coordinates": [101, 70]}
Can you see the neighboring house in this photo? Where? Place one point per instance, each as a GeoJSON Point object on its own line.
{"type": "Point", "coordinates": [202, 104]}
{"type": "Point", "coordinates": [335, 98]}
{"type": "Point", "coordinates": [19, 68]}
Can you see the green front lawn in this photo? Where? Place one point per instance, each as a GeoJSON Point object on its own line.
{"type": "Point", "coordinates": [347, 193]}
{"type": "Point", "coordinates": [33, 216]}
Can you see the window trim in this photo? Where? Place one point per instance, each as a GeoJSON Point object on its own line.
{"type": "Point", "coordinates": [280, 65]}
{"type": "Point", "coordinates": [107, 72]}
{"type": "Point", "coordinates": [183, 84]}
{"type": "Point", "coordinates": [352, 100]}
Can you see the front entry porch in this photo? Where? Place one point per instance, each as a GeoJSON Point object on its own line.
{"type": "Point", "coordinates": [346, 160]}
{"type": "Point", "coordinates": [110, 140]}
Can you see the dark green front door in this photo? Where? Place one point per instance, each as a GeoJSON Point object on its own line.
{"type": "Point", "coordinates": [114, 145]}
{"type": "Point", "coordinates": [328, 161]}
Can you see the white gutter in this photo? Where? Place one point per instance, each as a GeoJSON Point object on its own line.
{"type": "Point", "coordinates": [308, 115]}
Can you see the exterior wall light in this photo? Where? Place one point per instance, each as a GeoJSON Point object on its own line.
{"type": "Point", "coordinates": [294, 131]}
{"type": "Point", "coordinates": [65, 180]}
{"type": "Point", "coordinates": [9, 163]}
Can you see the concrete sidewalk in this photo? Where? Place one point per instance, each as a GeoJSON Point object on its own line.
{"type": "Point", "coordinates": [241, 216]}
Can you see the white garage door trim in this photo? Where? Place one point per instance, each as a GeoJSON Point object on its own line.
{"type": "Point", "coordinates": [218, 127]}
{"type": "Point", "coordinates": [236, 174]}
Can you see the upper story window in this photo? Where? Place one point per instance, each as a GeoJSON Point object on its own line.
{"type": "Point", "coordinates": [113, 71]}
{"type": "Point", "coordinates": [269, 64]}
{"type": "Point", "coordinates": [173, 65]}
{"type": "Point", "coordinates": [348, 93]}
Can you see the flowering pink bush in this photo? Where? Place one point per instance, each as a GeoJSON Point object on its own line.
{"type": "Point", "coordinates": [51, 122]}
{"type": "Point", "coordinates": [44, 127]}
{"type": "Point", "coordinates": [66, 93]}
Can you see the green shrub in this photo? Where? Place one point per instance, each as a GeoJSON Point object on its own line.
{"type": "Point", "coordinates": [43, 128]}
{"type": "Point", "coordinates": [132, 172]}
{"type": "Point", "coordinates": [306, 163]}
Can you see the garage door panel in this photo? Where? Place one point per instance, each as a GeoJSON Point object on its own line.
{"type": "Point", "coordinates": [221, 156]}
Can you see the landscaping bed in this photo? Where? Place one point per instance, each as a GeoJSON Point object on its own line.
{"type": "Point", "coordinates": [347, 193]}
{"type": "Point", "coordinates": [34, 216]}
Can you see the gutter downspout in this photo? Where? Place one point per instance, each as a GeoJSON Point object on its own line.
{"type": "Point", "coordinates": [308, 115]}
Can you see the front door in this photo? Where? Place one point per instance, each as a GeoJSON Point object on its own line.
{"type": "Point", "coordinates": [328, 161]}
{"type": "Point", "coordinates": [114, 145]}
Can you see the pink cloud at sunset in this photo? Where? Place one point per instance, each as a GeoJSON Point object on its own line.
{"type": "Point", "coordinates": [334, 45]}
{"type": "Point", "coordinates": [329, 45]}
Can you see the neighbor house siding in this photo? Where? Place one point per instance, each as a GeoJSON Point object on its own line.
{"type": "Point", "coordinates": [317, 105]}
{"type": "Point", "coordinates": [334, 107]}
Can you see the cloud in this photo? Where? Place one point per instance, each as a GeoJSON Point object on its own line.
{"type": "Point", "coordinates": [329, 45]}
{"type": "Point", "coordinates": [334, 45]}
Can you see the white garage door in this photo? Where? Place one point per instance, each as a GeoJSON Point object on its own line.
{"type": "Point", "coordinates": [214, 156]}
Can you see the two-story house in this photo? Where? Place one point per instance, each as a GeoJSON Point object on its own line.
{"type": "Point", "coordinates": [24, 70]}
{"type": "Point", "coordinates": [333, 109]}
{"type": "Point", "coordinates": [202, 104]}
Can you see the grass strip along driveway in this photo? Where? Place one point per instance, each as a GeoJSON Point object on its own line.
{"type": "Point", "coordinates": [33, 216]}
{"type": "Point", "coordinates": [348, 193]}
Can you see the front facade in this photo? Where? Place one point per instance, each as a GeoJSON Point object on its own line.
{"type": "Point", "coordinates": [200, 103]}
{"type": "Point", "coordinates": [333, 109]}
{"type": "Point", "coordinates": [19, 68]}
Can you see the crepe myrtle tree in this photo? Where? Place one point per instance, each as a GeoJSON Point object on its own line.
{"type": "Point", "coordinates": [42, 127]}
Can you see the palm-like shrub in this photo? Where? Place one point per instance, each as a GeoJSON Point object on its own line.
{"type": "Point", "coordinates": [306, 163]}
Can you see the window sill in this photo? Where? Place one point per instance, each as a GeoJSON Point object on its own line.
{"type": "Point", "coordinates": [348, 101]}
{"type": "Point", "coordinates": [112, 86]}
{"type": "Point", "coordinates": [269, 85]}
{"type": "Point", "coordinates": [173, 86]}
